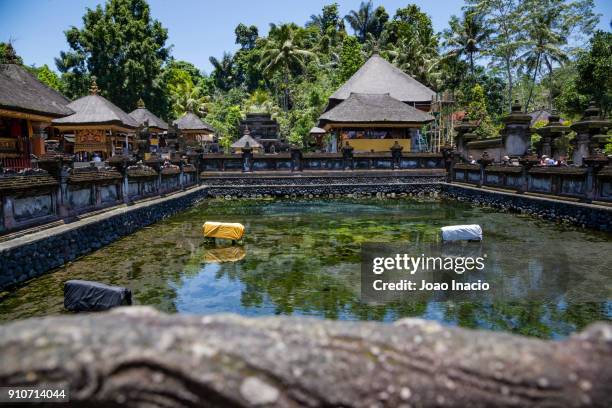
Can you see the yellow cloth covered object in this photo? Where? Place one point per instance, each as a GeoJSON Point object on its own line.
{"type": "Point", "coordinates": [226, 230]}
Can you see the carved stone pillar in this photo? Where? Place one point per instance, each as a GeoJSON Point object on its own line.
{"type": "Point", "coordinates": [551, 135]}
{"type": "Point", "coordinates": [59, 166]}
{"type": "Point", "coordinates": [155, 162]}
{"type": "Point", "coordinates": [347, 156]}
{"type": "Point", "coordinates": [448, 156]}
{"type": "Point", "coordinates": [296, 159]}
{"type": "Point", "coordinates": [121, 163]}
{"type": "Point", "coordinates": [516, 137]}
{"type": "Point", "coordinates": [484, 161]}
{"type": "Point", "coordinates": [464, 134]}
{"type": "Point", "coordinates": [587, 133]}
{"type": "Point", "coordinates": [396, 154]}
{"type": "Point", "coordinates": [247, 158]}
{"type": "Point", "coordinates": [527, 161]}
{"type": "Point", "coordinates": [594, 164]}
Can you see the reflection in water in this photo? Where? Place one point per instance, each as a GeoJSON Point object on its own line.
{"type": "Point", "coordinates": [232, 253]}
{"type": "Point", "coordinates": [302, 258]}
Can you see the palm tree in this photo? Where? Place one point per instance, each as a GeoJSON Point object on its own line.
{"type": "Point", "coordinates": [466, 37]}
{"type": "Point", "coordinates": [282, 54]}
{"type": "Point", "coordinates": [544, 48]}
{"type": "Point", "coordinates": [415, 60]}
{"type": "Point", "coordinates": [367, 20]}
{"type": "Point", "coordinates": [223, 71]}
{"type": "Point", "coordinates": [188, 98]}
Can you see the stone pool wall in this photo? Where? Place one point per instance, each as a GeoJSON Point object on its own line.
{"type": "Point", "coordinates": [34, 254]}
{"type": "Point", "coordinates": [324, 183]}
{"type": "Point", "coordinates": [587, 215]}
{"type": "Point", "coordinates": [57, 191]}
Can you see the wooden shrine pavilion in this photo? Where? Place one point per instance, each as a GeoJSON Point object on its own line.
{"type": "Point", "coordinates": [98, 126]}
{"type": "Point", "coordinates": [27, 107]}
{"type": "Point", "coordinates": [378, 106]}
{"type": "Point", "coordinates": [195, 132]}
{"type": "Point", "coordinates": [152, 126]}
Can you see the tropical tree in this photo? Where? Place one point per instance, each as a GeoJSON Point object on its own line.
{"type": "Point", "coordinates": [350, 58]}
{"type": "Point", "coordinates": [282, 55]}
{"type": "Point", "coordinates": [246, 36]}
{"type": "Point", "coordinates": [549, 25]}
{"type": "Point", "coordinates": [48, 77]}
{"type": "Point", "coordinates": [367, 20]}
{"type": "Point", "coordinates": [328, 19]}
{"type": "Point", "coordinates": [594, 68]}
{"type": "Point", "coordinates": [478, 113]}
{"type": "Point", "coordinates": [186, 97]}
{"type": "Point", "coordinates": [8, 54]}
{"type": "Point", "coordinates": [503, 20]}
{"type": "Point", "coordinates": [223, 71]}
{"type": "Point", "coordinates": [124, 48]}
{"type": "Point", "coordinates": [466, 36]}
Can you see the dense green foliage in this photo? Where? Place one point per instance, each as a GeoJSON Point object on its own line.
{"type": "Point", "coordinates": [541, 52]}
{"type": "Point", "coordinates": [123, 47]}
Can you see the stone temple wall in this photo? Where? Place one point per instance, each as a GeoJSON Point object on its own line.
{"type": "Point", "coordinates": [586, 215]}
{"type": "Point", "coordinates": [34, 254]}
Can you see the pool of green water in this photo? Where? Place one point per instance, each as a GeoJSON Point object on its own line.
{"type": "Point", "coordinates": [303, 258]}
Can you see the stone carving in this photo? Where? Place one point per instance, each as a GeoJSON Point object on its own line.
{"type": "Point", "coordinates": [138, 357]}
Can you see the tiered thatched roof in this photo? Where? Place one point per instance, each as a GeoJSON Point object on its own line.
{"type": "Point", "coordinates": [191, 122]}
{"type": "Point", "coordinates": [21, 91]}
{"type": "Point", "coordinates": [94, 110]}
{"type": "Point", "coordinates": [378, 76]}
{"type": "Point", "coordinates": [141, 115]}
{"type": "Point", "coordinates": [240, 143]}
{"type": "Point", "coordinates": [374, 109]}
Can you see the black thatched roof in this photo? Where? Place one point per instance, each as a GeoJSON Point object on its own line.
{"type": "Point", "coordinates": [378, 76]}
{"type": "Point", "coordinates": [190, 121]}
{"type": "Point", "coordinates": [21, 91]}
{"type": "Point", "coordinates": [142, 115]}
{"type": "Point", "coordinates": [240, 143]}
{"type": "Point", "coordinates": [374, 108]}
{"type": "Point", "coordinates": [96, 110]}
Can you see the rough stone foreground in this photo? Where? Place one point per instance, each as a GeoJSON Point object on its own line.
{"type": "Point", "coordinates": [139, 357]}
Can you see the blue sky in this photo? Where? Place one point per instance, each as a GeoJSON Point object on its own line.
{"type": "Point", "coordinates": [196, 29]}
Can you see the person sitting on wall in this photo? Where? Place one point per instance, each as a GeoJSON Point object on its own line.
{"type": "Point", "coordinates": [472, 160]}
{"type": "Point", "coordinates": [547, 161]}
{"type": "Point", "coordinates": [506, 160]}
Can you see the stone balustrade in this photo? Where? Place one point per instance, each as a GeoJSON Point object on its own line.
{"type": "Point", "coordinates": [57, 190]}
{"type": "Point", "coordinates": [136, 356]}
{"type": "Point", "coordinates": [298, 161]}
{"type": "Point", "coordinates": [589, 183]}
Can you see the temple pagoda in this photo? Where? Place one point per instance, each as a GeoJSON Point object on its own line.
{"type": "Point", "coordinates": [379, 106]}
{"type": "Point", "coordinates": [194, 131]}
{"type": "Point", "coordinates": [151, 126]}
{"type": "Point", "coordinates": [98, 126]}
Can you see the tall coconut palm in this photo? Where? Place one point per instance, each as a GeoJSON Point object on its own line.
{"type": "Point", "coordinates": [367, 20]}
{"type": "Point", "coordinates": [414, 59]}
{"type": "Point", "coordinates": [543, 49]}
{"type": "Point", "coordinates": [188, 98]}
{"type": "Point", "coordinates": [223, 71]}
{"type": "Point", "coordinates": [467, 36]}
{"type": "Point", "coordinates": [282, 54]}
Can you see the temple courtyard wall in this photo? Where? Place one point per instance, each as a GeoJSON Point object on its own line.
{"type": "Point", "coordinates": [36, 252]}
